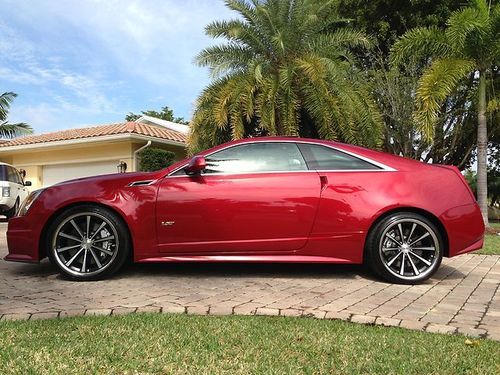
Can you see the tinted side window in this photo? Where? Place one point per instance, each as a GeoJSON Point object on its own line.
{"type": "Point", "coordinates": [4, 174]}
{"type": "Point", "coordinates": [257, 157]}
{"type": "Point", "coordinates": [325, 158]}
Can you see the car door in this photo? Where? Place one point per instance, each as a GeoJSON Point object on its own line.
{"type": "Point", "coordinates": [252, 197]}
{"type": "Point", "coordinates": [349, 196]}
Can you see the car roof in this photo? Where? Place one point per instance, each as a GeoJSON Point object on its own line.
{"type": "Point", "coordinates": [390, 160]}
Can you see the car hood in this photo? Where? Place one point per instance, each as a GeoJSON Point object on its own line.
{"type": "Point", "coordinates": [115, 177]}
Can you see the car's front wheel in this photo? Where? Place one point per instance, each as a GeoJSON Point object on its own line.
{"type": "Point", "coordinates": [88, 243]}
{"type": "Point", "coordinates": [13, 211]}
{"type": "Point", "coordinates": [404, 248]}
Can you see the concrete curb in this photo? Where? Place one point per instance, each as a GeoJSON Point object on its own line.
{"type": "Point", "coordinates": [307, 314]}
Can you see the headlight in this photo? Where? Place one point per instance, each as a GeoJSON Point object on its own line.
{"type": "Point", "coordinates": [25, 206]}
{"type": "Point", "coordinates": [6, 191]}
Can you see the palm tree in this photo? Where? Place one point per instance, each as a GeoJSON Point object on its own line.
{"type": "Point", "coordinates": [287, 68]}
{"type": "Point", "coordinates": [469, 48]}
{"type": "Point", "coordinates": [10, 130]}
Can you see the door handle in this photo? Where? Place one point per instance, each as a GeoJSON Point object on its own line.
{"type": "Point", "coordinates": [324, 182]}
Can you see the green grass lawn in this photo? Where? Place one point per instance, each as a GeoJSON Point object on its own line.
{"type": "Point", "coordinates": [491, 243]}
{"type": "Point", "coordinates": [159, 343]}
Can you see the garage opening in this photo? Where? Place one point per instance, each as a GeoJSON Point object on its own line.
{"type": "Point", "coordinates": [53, 174]}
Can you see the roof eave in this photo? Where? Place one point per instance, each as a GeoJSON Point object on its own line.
{"type": "Point", "coordinates": [181, 128]}
{"type": "Point", "coordinates": [96, 139]}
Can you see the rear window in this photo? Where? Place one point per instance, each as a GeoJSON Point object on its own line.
{"type": "Point", "coordinates": [326, 159]}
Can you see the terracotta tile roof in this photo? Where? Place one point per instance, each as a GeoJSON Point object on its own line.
{"type": "Point", "coordinates": [99, 131]}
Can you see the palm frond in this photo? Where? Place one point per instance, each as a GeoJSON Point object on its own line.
{"type": "Point", "coordinates": [341, 108]}
{"type": "Point", "coordinates": [420, 43]}
{"type": "Point", "coordinates": [266, 104]}
{"type": "Point", "coordinates": [325, 111]}
{"type": "Point", "coordinates": [14, 130]}
{"type": "Point", "coordinates": [266, 21]}
{"type": "Point", "coordinates": [344, 38]}
{"type": "Point", "coordinates": [246, 10]}
{"type": "Point", "coordinates": [436, 84]}
{"type": "Point", "coordinates": [225, 59]}
{"type": "Point", "coordinates": [495, 30]}
{"type": "Point", "coordinates": [462, 22]}
{"type": "Point", "coordinates": [320, 16]}
{"type": "Point", "coordinates": [495, 17]}
{"type": "Point", "coordinates": [237, 31]}
{"type": "Point", "coordinates": [481, 5]}
{"type": "Point", "coordinates": [5, 100]}
{"type": "Point", "coordinates": [493, 105]}
{"type": "Point", "coordinates": [362, 122]}
{"type": "Point", "coordinates": [313, 68]}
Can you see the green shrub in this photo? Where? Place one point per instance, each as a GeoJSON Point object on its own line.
{"type": "Point", "coordinates": [154, 159]}
{"type": "Point", "coordinates": [493, 185]}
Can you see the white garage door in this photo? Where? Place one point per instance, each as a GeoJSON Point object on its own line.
{"type": "Point", "coordinates": [52, 174]}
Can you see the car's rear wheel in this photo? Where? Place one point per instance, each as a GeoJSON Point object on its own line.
{"type": "Point", "coordinates": [405, 248]}
{"type": "Point", "coordinates": [88, 243]}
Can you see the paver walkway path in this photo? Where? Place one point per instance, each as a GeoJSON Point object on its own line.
{"type": "Point", "coordinates": [463, 296]}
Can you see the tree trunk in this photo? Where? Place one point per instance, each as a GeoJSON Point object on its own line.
{"type": "Point", "coordinates": [482, 150]}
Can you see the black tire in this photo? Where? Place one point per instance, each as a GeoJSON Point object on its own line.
{"type": "Point", "coordinates": [103, 243]}
{"type": "Point", "coordinates": [399, 258]}
{"type": "Point", "coordinates": [13, 211]}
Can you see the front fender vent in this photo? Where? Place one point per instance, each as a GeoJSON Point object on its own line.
{"type": "Point", "coordinates": [141, 183]}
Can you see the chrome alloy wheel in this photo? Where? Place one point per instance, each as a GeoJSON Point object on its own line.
{"type": "Point", "coordinates": [85, 244]}
{"type": "Point", "coordinates": [409, 248]}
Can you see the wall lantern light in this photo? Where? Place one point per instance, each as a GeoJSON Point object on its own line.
{"type": "Point", "coordinates": [122, 167]}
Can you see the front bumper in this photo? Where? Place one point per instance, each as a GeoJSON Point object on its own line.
{"type": "Point", "coordinates": [6, 203]}
{"type": "Point", "coordinates": [23, 240]}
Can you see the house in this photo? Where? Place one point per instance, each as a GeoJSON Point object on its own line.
{"type": "Point", "coordinates": [53, 157]}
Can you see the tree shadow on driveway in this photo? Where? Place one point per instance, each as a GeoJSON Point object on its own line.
{"type": "Point", "coordinates": [226, 270]}
{"type": "Point", "coordinates": [204, 270]}
{"type": "Point", "coordinates": [267, 270]}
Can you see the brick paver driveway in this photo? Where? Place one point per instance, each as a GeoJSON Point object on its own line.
{"type": "Point", "coordinates": [463, 296]}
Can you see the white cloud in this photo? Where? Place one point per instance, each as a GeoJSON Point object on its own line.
{"type": "Point", "coordinates": [154, 39]}
{"type": "Point", "coordinates": [18, 76]}
{"type": "Point", "coordinates": [13, 45]}
{"type": "Point", "coordinates": [38, 116]}
{"type": "Point", "coordinates": [171, 34]}
{"type": "Point", "coordinates": [31, 68]}
{"type": "Point", "coordinates": [103, 58]}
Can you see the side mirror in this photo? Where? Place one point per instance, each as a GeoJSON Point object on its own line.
{"type": "Point", "coordinates": [196, 165]}
{"type": "Point", "coordinates": [27, 183]}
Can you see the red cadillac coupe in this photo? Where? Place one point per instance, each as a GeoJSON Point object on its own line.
{"type": "Point", "coordinates": [256, 200]}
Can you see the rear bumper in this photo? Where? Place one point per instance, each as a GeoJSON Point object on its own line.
{"type": "Point", "coordinates": [22, 241]}
{"type": "Point", "coordinates": [465, 228]}
{"type": "Point", "coordinates": [475, 246]}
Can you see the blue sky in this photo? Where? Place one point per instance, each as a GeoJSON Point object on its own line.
{"type": "Point", "coordinates": [88, 62]}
